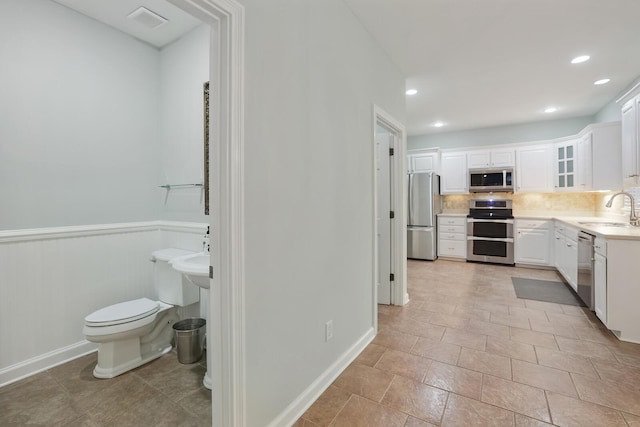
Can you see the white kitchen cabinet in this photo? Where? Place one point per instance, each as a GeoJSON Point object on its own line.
{"type": "Point", "coordinates": [534, 169]}
{"type": "Point", "coordinates": [566, 253]}
{"type": "Point", "coordinates": [495, 158]}
{"type": "Point", "coordinates": [584, 163]}
{"type": "Point", "coordinates": [533, 242]}
{"type": "Point", "coordinates": [422, 161]}
{"type": "Point", "coordinates": [565, 165]}
{"type": "Point", "coordinates": [452, 236]}
{"type": "Point", "coordinates": [454, 175]}
{"type": "Point", "coordinates": [478, 159]}
{"type": "Point", "coordinates": [600, 279]}
{"type": "Point", "coordinates": [598, 155]}
{"type": "Point", "coordinates": [503, 158]}
{"type": "Point", "coordinates": [622, 290]}
{"type": "Point", "coordinates": [630, 141]}
{"type": "Point", "coordinates": [558, 251]}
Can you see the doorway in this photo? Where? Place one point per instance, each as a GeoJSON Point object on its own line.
{"type": "Point", "coordinates": [390, 223]}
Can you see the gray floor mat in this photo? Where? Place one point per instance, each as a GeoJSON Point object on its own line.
{"type": "Point", "coordinates": [545, 290]}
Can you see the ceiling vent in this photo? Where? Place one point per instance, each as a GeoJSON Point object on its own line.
{"type": "Point", "coordinates": [147, 18]}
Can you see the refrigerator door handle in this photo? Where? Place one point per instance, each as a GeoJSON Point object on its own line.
{"type": "Point", "coordinates": [410, 213]}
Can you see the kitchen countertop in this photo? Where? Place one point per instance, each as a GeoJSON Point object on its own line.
{"type": "Point", "coordinates": [610, 232]}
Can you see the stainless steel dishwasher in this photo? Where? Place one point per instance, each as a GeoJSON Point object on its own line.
{"type": "Point", "coordinates": [585, 269]}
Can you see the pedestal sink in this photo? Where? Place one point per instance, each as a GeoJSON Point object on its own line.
{"type": "Point", "coordinates": [195, 268]}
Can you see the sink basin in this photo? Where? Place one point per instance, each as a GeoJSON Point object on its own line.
{"type": "Point", "coordinates": [604, 224]}
{"type": "Point", "coordinates": [194, 267]}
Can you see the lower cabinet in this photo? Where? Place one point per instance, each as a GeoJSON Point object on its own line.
{"type": "Point", "coordinates": [600, 284]}
{"type": "Point", "coordinates": [533, 242]}
{"type": "Point", "coordinates": [452, 236]}
{"type": "Point", "coordinates": [566, 253]}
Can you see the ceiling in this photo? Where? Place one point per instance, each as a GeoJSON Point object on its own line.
{"type": "Point", "coordinates": [475, 63]}
{"type": "Point", "coordinates": [115, 12]}
{"type": "Point", "coordinates": [481, 63]}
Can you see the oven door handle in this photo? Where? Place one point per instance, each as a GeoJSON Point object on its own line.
{"type": "Point", "coordinates": [492, 239]}
{"type": "Point", "coordinates": [499, 221]}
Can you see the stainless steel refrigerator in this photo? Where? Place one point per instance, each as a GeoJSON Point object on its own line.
{"type": "Point", "coordinates": [424, 204]}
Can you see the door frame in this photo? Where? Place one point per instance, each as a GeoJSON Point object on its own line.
{"type": "Point", "coordinates": [399, 294]}
{"type": "Point", "coordinates": [226, 314]}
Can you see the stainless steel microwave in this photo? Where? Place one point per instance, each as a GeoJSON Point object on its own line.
{"type": "Point", "coordinates": [488, 180]}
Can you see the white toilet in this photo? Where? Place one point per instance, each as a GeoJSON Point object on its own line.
{"type": "Point", "coordinates": [135, 332]}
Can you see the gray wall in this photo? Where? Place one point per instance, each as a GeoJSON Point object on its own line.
{"type": "Point", "coordinates": [184, 67]}
{"type": "Point", "coordinates": [609, 113]}
{"type": "Point", "coordinates": [79, 108]}
{"type": "Point", "coordinates": [612, 111]}
{"type": "Point", "coordinates": [310, 90]}
{"type": "Point", "coordinates": [509, 134]}
{"type": "Point", "coordinates": [93, 121]}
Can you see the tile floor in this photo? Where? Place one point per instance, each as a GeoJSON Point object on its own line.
{"type": "Point", "coordinates": [466, 352]}
{"type": "Point", "coordinates": [161, 393]}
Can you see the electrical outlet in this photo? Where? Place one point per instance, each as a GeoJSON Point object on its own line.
{"type": "Point", "coordinates": [328, 330]}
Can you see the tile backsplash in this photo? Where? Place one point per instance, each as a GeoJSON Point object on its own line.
{"type": "Point", "coordinates": [555, 204]}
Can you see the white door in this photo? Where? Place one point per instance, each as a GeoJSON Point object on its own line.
{"type": "Point", "coordinates": [384, 143]}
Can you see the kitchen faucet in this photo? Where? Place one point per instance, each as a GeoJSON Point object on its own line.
{"type": "Point", "coordinates": [633, 219]}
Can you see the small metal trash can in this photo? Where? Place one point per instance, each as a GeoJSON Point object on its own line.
{"type": "Point", "coordinates": [190, 336]}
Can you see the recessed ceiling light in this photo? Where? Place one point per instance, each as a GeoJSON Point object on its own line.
{"type": "Point", "coordinates": [601, 81]}
{"type": "Point", "coordinates": [411, 92]}
{"type": "Point", "coordinates": [580, 59]}
{"type": "Point", "coordinates": [550, 110]}
{"type": "Point", "coordinates": [438, 124]}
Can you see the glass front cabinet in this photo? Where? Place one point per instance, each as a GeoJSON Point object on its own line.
{"type": "Point", "coordinates": [565, 165]}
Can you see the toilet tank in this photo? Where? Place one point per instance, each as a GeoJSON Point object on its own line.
{"type": "Point", "coordinates": [171, 286]}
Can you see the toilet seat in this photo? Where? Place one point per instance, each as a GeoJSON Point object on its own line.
{"type": "Point", "coordinates": [124, 312]}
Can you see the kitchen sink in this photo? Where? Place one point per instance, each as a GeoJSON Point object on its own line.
{"type": "Point", "coordinates": [604, 224]}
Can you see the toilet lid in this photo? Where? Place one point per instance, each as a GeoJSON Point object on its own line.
{"type": "Point", "coordinates": [123, 312]}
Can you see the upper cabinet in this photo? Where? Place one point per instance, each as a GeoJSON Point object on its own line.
{"type": "Point", "coordinates": [585, 163]}
{"type": "Point", "coordinates": [600, 153]}
{"type": "Point", "coordinates": [565, 165]}
{"type": "Point", "coordinates": [453, 176]}
{"type": "Point", "coordinates": [423, 161]}
{"type": "Point", "coordinates": [496, 158]}
{"type": "Point", "coordinates": [588, 161]}
{"type": "Point", "coordinates": [534, 169]}
{"type": "Point", "coordinates": [630, 141]}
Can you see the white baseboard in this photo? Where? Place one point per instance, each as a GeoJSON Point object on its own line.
{"type": "Point", "coordinates": [295, 410]}
{"type": "Point", "coordinates": [45, 361]}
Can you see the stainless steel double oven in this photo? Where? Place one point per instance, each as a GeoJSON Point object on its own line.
{"type": "Point", "coordinates": [490, 231]}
